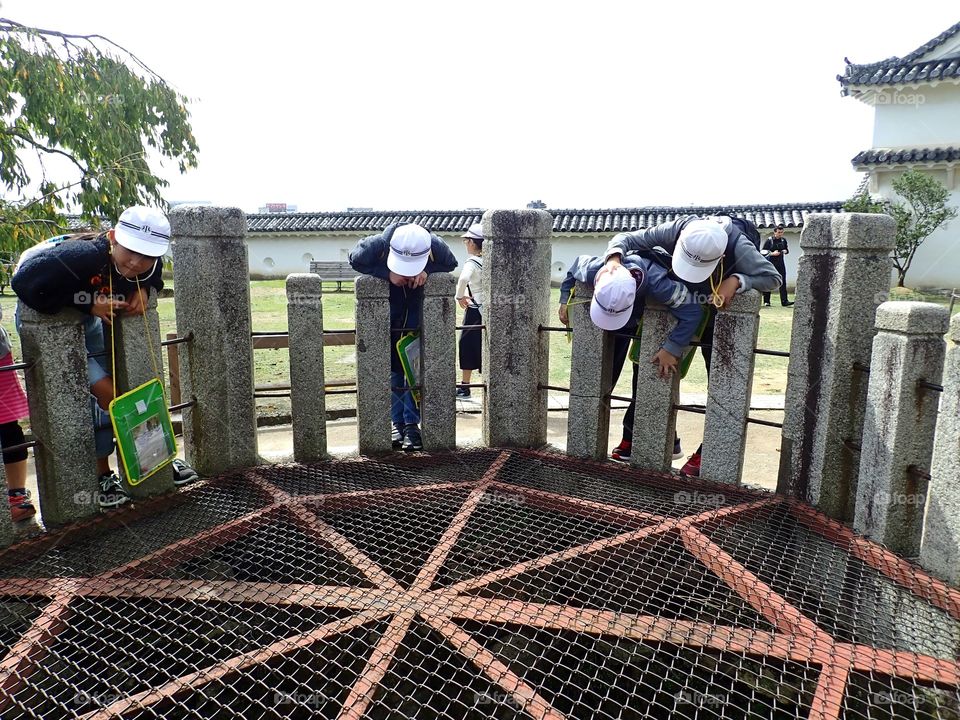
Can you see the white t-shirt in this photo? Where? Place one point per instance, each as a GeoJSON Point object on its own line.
{"type": "Point", "coordinates": [470, 283]}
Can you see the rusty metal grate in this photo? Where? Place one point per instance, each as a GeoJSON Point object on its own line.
{"type": "Point", "coordinates": [481, 584]}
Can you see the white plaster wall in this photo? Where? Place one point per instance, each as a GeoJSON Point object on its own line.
{"type": "Point", "coordinates": [918, 117]}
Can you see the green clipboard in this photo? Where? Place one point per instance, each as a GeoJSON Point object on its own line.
{"type": "Point", "coordinates": [408, 349]}
{"type": "Point", "coordinates": [141, 424]}
{"type": "Point", "coordinates": [687, 359]}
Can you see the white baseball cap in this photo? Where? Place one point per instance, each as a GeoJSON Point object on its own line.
{"type": "Point", "coordinates": [144, 230]}
{"type": "Point", "coordinates": [475, 232]}
{"type": "Point", "coordinates": [409, 250]}
{"type": "Point", "coordinates": [699, 248]}
{"type": "Point", "coordinates": [613, 298]}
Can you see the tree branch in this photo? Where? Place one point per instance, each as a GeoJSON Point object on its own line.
{"type": "Point", "coordinates": [40, 146]}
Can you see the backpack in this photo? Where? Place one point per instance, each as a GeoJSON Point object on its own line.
{"type": "Point", "coordinates": [747, 228]}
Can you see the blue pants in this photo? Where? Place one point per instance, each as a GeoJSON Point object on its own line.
{"type": "Point", "coordinates": [403, 410]}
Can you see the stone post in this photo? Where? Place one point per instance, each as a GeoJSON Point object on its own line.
{"type": "Point", "coordinates": [843, 275]}
{"type": "Point", "coordinates": [655, 420]}
{"type": "Point", "coordinates": [60, 414]}
{"type": "Point", "coordinates": [439, 370]}
{"type": "Point", "coordinates": [6, 522]}
{"type": "Point", "coordinates": [137, 352]}
{"type": "Point", "coordinates": [211, 276]}
{"type": "Point", "coordinates": [899, 424]}
{"type": "Point", "coordinates": [373, 364]}
{"type": "Point", "coordinates": [940, 551]}
{"type": "Point", "coordinates": [307, 389]}
{"type": "Point", "coordinates": [516, 273]}
{"type": "Point", "coordinates": [729, 388]}
{"type": "Point", "coordinates": [590, 368]}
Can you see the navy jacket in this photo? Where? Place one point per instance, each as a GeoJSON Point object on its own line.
{"type": "Point", "coordinates": [656, 283]}
{"type": "Point", "coordinates": [369, 257]}
{"type": "Point", "coordinates": [67, 273]}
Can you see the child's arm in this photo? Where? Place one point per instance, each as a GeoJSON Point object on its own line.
{"type": "Point", "coordinates": [442, 258]}
{"type": "Point", "coordinates": [57, 278]}
{"type": "Point", "coordinates": [681, 304]}
{"type": "Point", "coordinates": [369, 257]}
{"type": "Point", "coordinates": [663, 235]}
{"type": "Point", "coordinates": [754, 271]}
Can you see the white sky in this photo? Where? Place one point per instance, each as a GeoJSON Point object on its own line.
{"type": "Point", "coordinates": [448, 105]}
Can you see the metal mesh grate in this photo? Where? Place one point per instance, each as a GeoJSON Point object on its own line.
{"type": "Point", "coordinates": [482, 584]}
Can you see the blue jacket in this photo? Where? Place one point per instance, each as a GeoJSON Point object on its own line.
{"type": "Point", "coordinates": [742, 258]}
{"type": "Point", "coordinates": [369, 257]}
{"type": "Point", "coordinates": [656, 283]}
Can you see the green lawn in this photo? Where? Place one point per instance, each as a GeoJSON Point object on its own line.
{"type": "Point", "coordinates": [271, 366]}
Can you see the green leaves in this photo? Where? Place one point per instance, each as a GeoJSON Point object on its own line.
{"type": "Point", "coordinates": [79, 115]}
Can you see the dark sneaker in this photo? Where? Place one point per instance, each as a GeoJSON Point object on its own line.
{"type": "Point", "coordinates": [677, 450]}
{"type": "Point", "coordinates": [692, 466]}
{"type": "Point", "coordinates": [112, 493]}
{"type": "Point", "coordinates": [411, 439]}
{"type": "Point", "coordinates": [21, 507]}
{"type": "Point", "coordinates": [396, 436]}
{"type": "Point", "coordinates": [183, 473]}
{"type": "Point", "coordinates": [789, 303]}
{"type": "Point", "coordinates": [463, 392]}
{"type": "Point", "coordinates": [766, 305]}
{"type": "Point", "coordinates": [621, 453]}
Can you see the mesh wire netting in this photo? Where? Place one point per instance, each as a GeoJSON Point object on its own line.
{"type": "Point", "coordinates": [482, 584]}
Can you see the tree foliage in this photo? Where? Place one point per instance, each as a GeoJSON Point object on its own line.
{"type": "Point", "coordinates": [80, 114]}
{"type": "Point", "coordinates": [922, 211]}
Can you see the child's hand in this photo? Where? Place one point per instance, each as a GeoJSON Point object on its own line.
{"type": "Point", "coordinates": [725, 293]}
{"type": "Point", "coordinates": [564, 314]}
{"type": "Point", "coordinates": [105, 308]}
{"type": "Point", "coordinates": [666, 363]}
{"type": "Point", "coordinates": [138, 302]}
{"type": "Point", "coordinates": [463, 302]}
{"type": "Point", "coordinates": [418, 280]}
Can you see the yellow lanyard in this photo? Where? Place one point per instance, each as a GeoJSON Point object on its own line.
{"type": "Point", "coordinates": [715, 286]}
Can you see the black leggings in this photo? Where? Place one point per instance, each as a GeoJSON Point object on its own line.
{"type": "Point", "coordinates": [12, 434]}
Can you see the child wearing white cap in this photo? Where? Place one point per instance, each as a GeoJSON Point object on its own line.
{"type": "Point", "coordinates": [713, 258]}
{"type": "Point", "coordinates": [403, 254]}
{"type": "Point", "coordinates": [79, 271]}
{"type": "Point", "coordinates": [619, 299]}
{"type": "Point", "coordinates": [469, 296]}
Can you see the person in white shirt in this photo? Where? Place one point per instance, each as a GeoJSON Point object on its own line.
{"type": "Point", "coordinates": [470, 297]}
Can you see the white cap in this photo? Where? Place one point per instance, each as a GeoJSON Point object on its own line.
{"type": "Point", "coordinates": [699, 248]}
{"type": "Point", "coordinates": [613, 298]}
{"type": "Point", "coordinates": [144, 230]}
{"type": "Point", "coordinates": [475, 232]}
{"type": "Point", "coordinates": [409, 250]}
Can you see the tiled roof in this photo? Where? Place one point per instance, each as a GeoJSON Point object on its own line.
{"type": "Point", "coordinates": [908, 69]}
{"type": "Point", "coordinates": [907, 156]}
{"type": "Point", "coordinates": [573, 221]}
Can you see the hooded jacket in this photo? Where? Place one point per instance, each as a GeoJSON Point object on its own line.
{"type": "Point", "coordinates": [741, 259]}
{"type": "Point", "coordinates": [654, 282]}
{"type": "Point", "coordinates": [369, 257]}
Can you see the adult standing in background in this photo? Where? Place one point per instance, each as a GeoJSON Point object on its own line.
{"type": "Point", "coordinates": [774, 248]}
{"type": "Point", "coordinates": [470, 297]}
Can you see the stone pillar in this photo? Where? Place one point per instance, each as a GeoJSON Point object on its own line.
{"type": "Point", "coordinates": [655, 421]}
{"type": "Point", "coordinates": [899, 424]}
{"type": "Point", "coordinates": [843, 275]}
{"type": "Point", "coordinates": [590, 368]}
{"type": "Point", "coordinates": [729, 388]}
{"type": "Point", "coordinates": [6, 521]}
{"type": "Point", "coordinates": [60, 414]}
{"type": "Point", "coordinates": [373, 364]}
{"type": "Point", "coordinates": [940, 551]}
{"type": "Point", "coordinates": [516, 273]}
{"type": "Point", "coordinates": [137, 351]}
{"type": "Point", "coordinates": [438, 406]}
{"type": "Point", "coordinates": [212, 282]}
{"type": "Point", "coordinates": [307, 389]}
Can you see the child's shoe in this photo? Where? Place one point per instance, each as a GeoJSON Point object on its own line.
{"type": "Point", "coordinates": [463, 392]}
{"type": "Point", "coordinates": [692, 466]}
{"type": "Point", "coordinates": [396, 436]}
{"type": "Point", "coordinates": [21, 507]}
{"type": "Point", "coordinates": [677, 450]}
{"type": "Point", "coordinates": [621, 453]}
{"type": "Point", "coordinates": [112, 493]}
{"type": "Point", "coordinates": [183, 473]}
{"type": "Point", "coordinates": [411, 439]}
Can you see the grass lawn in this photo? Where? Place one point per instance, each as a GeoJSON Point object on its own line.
{"type": "Point", "coordinates": [269, 303]}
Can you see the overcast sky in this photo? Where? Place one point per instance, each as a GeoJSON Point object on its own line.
{"type": "Point", "coordinates": [446, 105]}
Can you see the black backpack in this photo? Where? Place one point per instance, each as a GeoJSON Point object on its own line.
{"type": "Point", "coordinates": [747, 228]}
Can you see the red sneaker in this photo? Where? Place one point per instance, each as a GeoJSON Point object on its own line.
{"type": "Point", "coordinates": [20, 506]}
{"type": "Point", "coordinates": [692, 466]}
{"type": "Point", "coordinates": [621, 453]}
